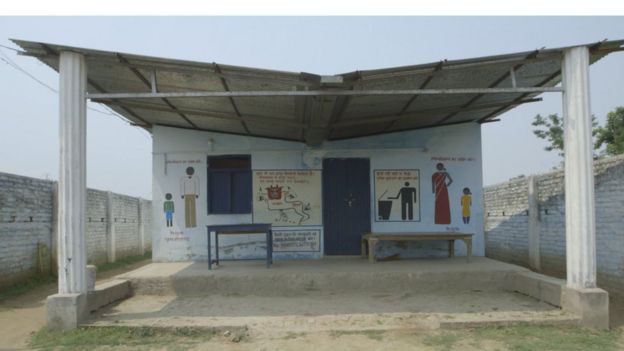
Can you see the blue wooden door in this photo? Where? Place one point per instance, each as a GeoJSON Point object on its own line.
{"type": "Point", "coordinates": [346, 204]}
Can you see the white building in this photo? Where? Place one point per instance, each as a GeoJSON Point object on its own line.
{"type": "Point", "coordinates": [324, 159]}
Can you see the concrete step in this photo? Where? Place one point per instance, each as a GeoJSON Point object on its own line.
{"type": "Point", "coordinates": [279, 281]}
{"type": "Point", "coordinates": [351, 322]}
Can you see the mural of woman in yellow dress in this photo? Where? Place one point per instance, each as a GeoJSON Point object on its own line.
{"type": "Point", "coordinates": [466, 202]}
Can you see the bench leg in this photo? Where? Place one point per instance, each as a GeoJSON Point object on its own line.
{"type": "Point", "coordinates": [372, 243]}
{"type": "Point", "coordinates": [363, 248]}
{"type": "Point", "coordinates": [468, 243]}
{"type": "Point", "coordinates": [209, 252]}
{"type": "Point", "coordinates": [451, 248]}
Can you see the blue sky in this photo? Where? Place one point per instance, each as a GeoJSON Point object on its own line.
{"type": "Point", "coordinates": [119, 156]}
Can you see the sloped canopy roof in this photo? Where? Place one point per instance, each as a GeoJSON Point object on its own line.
{"type": "Point", "coordinates": [337, 107]}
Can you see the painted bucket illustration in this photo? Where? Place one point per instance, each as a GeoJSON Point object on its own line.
{"type": "Point", "coordinates": [384, 207]}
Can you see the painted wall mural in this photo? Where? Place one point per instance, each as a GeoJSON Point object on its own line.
{"type": "Point", "coordinates": [397, 194]}
{"type": "Point", "coordinates": [291, 184]}
{"type": "Point", "coordinates": [297, 240]}
{"type": "Point", "coordinates": [169, 209]}
{"type": "Point", "coordinates": [466, 203]}
{"type": "Point", "coordinates": [189, 190]}
{"type": "Point", "coordinates": [440, 181]}
{"type": "Point", "coordinates": [287, 197]}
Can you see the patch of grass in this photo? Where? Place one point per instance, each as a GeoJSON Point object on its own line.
{"type": "Point", "coordinates": [551, 338]}
{"type": "Point", "coordinates": [370, 333]}
{"type": "Point", "coordinates": [25, 286]}
{"type": "Point", "coordinates": [143, 338]}
{"type": "Point", "coordinates": [122, 262]}
{"type": "Point", "coordinates": [443, 341]}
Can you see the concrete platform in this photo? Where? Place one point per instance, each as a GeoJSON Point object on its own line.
{"type": "Point", "coordinates": [331, 294]}
{"type": "Point", "coordinates": [337, 275]}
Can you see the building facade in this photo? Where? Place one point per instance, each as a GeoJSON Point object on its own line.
{"type": "Point", "coordinates": [320, 201]}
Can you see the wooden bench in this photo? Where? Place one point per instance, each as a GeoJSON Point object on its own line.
{"type": "Point", "coordinates": [370, 240]}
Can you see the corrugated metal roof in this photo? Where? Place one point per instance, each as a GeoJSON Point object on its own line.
{"type": "Point", "coordinates": [312, 119]}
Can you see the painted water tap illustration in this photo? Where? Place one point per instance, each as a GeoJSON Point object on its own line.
{"type": "Point", "coordinates": [466, 202]}
{"type": "Point", "coordinates": [440, 181]}
{"type": "Point", "coordinates": [408, 199]}
{"type": "Point", "coordinates": [168, 208]}
{"type": "Point", "coordinates": [189, 188]}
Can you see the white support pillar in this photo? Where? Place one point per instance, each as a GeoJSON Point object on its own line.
{"type": "Point", "coordinates": [141, 219]}
{"type": "Point", "coordinates": [72, 188]}
{"type": "Point", "coordinates": [534, 225]}
{"type": "Point", "coordinates": [111, 236]}
{"type": "Point", "coordinates": [579, 175]}
{"type": "Point", "coordinates": [580, 296]}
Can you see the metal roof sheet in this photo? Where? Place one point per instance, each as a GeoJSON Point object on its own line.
{"type": "Point", "coordinates": [312, 119]}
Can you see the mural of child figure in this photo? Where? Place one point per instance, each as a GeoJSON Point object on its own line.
{"type": "Point", "coordinates": [168, 208]}
{"type": "Point", "coordinates": [466, 202]}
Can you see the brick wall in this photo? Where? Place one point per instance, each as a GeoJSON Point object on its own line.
{"type": "Point", "coordinates": [25, 223]}
{"type": "Point", "coordinates": [27, 226]}
{"type": "Point", "coordinates": [506, 222]}
{"type": "Point", "coordinates": [96, 226]}
{"type": "Point", "coordinates": [126, 217]}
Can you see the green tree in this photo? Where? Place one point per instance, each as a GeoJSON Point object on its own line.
{"type": "Point", "coordinates": [612, 134]}
{"type": "Point", "coordinates": [550, 128]}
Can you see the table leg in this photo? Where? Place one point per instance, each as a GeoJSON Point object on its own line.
{"type": "Point", "coordinates": [372, 243]}
{"type": "Point", "coordinates": [209, 251]}
{"type": "Point", "coordinates": [451, 248]}
{"type": "Point", "coordinates": [269, 244]}
{"type": "Point", "coordinates": [468, 248]}
{"type": "Point", "coordinates": [217, 248]}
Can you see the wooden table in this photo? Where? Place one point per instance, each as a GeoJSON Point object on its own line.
{"type": "Point", "coordinates": [370, 240]}
{"type": "Point", "coordinates": [236, 229]}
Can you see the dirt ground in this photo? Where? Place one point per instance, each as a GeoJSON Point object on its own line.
{"type": "Point", "coordinates": [25, 314]}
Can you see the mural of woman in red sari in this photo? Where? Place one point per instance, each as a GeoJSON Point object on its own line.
{"type": "Point", "coordinates": [440, 180]}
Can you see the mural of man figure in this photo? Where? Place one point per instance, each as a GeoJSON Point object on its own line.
{"type": "Point", "coordinates": [189, 188]}
{"type": "Point", "coordinates": [408, 199]}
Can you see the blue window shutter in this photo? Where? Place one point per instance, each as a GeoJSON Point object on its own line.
{"type": "Point", "coordinates": [229, 184]}
{"type": "Point", "coordinates": [220, 195]}
{"type": "Point", "coordinates": [241, 191]}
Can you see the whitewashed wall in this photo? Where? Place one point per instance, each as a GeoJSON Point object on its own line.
{"type": "Point", "coordinates": [458, 147]}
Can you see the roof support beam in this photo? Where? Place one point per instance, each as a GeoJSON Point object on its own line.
{"type": "Point", "coordinates": [203, 113]}
{"type": "Point", "coordinates": [451, 65]}
{"type": "Point", "coordinates": [511, 73]}
{"type": "Point", "coordinates": [209, 94]}
{"type": "Point", "coordinates": [316, 130]}
{"type": "Point", "coordinates": [152, 85]}
{"type": "Point", "coordinates": [593, 48]}
{"type": "Point", "coordinates": [424, 84]}
{"type": "Point", "coordinates": [512, 104]}
{"type": "Point", "coordinates": [154, 82]}
{"type": "Point", "coordinates": [227, 88]}
{"type": "Point", "coordinates": [428, 112]}
{"type": "Point", "coordinates": [145, 124]}
{"type": "Point", "coordinates": [340, 106]}
{"type": "Point", "coordinates": [302, 111]}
